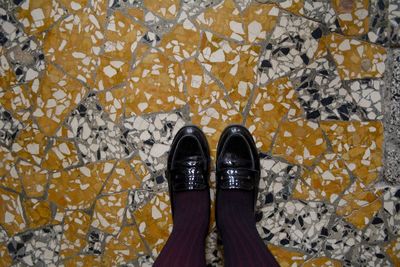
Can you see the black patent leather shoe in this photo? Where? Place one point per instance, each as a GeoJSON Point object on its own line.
{"type": "Point", "coordinates": [188, 165]}
{"type": "Point", "coordinates": [238, 163]}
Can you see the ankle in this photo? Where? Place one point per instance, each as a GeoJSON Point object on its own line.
{"type": "Point", "coordinates": [234, 207]}
{"type": "Point", "coordinates": [192, 209]}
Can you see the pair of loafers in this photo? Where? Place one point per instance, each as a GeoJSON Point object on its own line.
{"type": "Point", "coordinates": [237, 163]}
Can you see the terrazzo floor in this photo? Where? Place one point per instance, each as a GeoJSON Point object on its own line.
{"type": "Point", "coordinates": [93, 91]}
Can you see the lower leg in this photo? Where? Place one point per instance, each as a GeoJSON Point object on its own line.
{"type": "Point", "coordinates": [243, 245]}
{"type": "Point", "coordinates": [186, 244]}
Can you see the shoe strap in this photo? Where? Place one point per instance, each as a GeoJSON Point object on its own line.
{"type": "Point", "coordinates": [237, 178]}
{"type": "Point", "coordinates": [189, 175]}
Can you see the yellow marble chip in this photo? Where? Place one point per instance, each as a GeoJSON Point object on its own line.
{"type": "Point", "coordinates": [356, 59]}
{"type": "Point", "coordinates": [83, 260]}
{"type": "Point", "coordinates": [39, 15]}
{"type": "Point", "coordinates": [11, 218]}
{"type": "Point", "coordinates": [393, 251]}
{"type": "Point", "coordinates": [56, 95]}
{"type": "Point", "coordinates": [155, 85]}
{"type": "Point", "coordinates": [111, 73]}
{"type": "Point", "coordinates": [202, 90]}
{"type": "Point", "coordinates": [299, 141]}
{"type": "Point", "coordinates": [76, 225]}
{"type": "Point", "coordinates": [62, 154]}
{"type": "Point", "coordinates": [38, 213]}
{"type": "Point", "coordinates": [5, 258]}
{"type": "Point", "coordinates": [9, 177]}
{"type": "Point", "coordinates": [167, 9]}
{"type": "Point", "coordinates": [76, 41]}
{"type": "Point", "coordinates": [259, 21]}
{"type": "Point", "coordinates": [353, 16]}
{"type": "Point", "coordinates": [16, 99]}
{"type": "Point", "coordinates": [234, 65]}
{"type": "Point", "coordinates": [322, 262]}
{"type": "Point", "coordinates": [285, 257]}
{"type": "Point", "coordinates": [181, 42]}
{"type": "Point", "coordinates": [359, 144]}
{"type": "Point", "coordinates": [326, 181]}
{"type": "Point", "coordinates": [34, 179]}
{"type": "Point", "coordinates": [11, 182]}
{"type": "Point", "coordinates": [155, 222]}
{"type": "Point", "coordinates": [256, 22]}
{"type": "Point", "coordinates": [30, 144]}
{"type": "Point", "coordinates": [140, 168]}
{"type": "Point", "coordinates": [322, 49]}
{"type": "Point", "coordinates": [126, 246]}
{"type": "Point", "coordinates": [224, 19]}
{"type": "Point", "coordinates": [109, 212]}
{"type": "Point", "coordinates": [74, 5]}
{"type": "Point", "coordinates": [135, 12]}
{"type": "Point", "coordinates": [122, 37]}
{"type": "Point", "coordinates": [122, 178]}
{"type": "Point", "coordinates": [7, 161]}
{"type": "Point", "coordinates": [77, 188]}
{"type": "Point", "coordinates": [358, 205]}
{"type": "Point", "coordinates": [271, 103]}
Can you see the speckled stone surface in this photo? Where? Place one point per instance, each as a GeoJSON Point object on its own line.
{"type": "Point", "coordinates": [93, 92]}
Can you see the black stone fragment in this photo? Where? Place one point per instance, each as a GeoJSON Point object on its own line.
{"type": "Point", "coordinates": [381, 5]}
{"type": "Point", "coordinates": [269, 198]}
{"type": "Point", "coordinates": [3, 38]}
{"type": "Point", "coordinates": [324, 231]}
{"type": "Point", "coordinates": [377, 220]}
{"type": "Point", "coordinates": [284, 242]}
{"type": "Point", "coordinates": [313, 115]}
{"type": "Point", "coordinates": [317, 33]}
{"type": "Point", "coordinates": [327, 100]}
{"type": "Point", "coordinates": [324, 72]}
{"type": "Point", "coordinates": [19, 246]}
{"type": "Point", "coordinates": [149, 142]}
{"type": "Point", "coordinates": [258, 216]}
{"type": "Point", "coordinates": [285, 50]}
{"type": "Point", "coordinates": [160, 179]}
{"type": "Point", "coordinates": [18, 71]}
{"type": "Point", "coordinates": [17, 2]}
{"type": "Point", "coordinates": [11, 248]}
{"type": "Point", "coordinates": [6, 115]}
{"type": "Point", "coordinates": [301, 221]}
{"type": "Point", "coordinates": [380, 256]}
{"type": "Point", "coordinates": [305, 59]}
{"type": "Point", "coordinates": [27, 237]}
{"type": "Point", "coordinates": [94, 236]}
{"type": "Point", "coordinates": [266, 64]}
{"type": "Point", "coordinates": [329, 247]}
{"type": "Point", "coordinates": [82, 110]}
{"type": "Point", "coordinates": [344, 112]}
{"type": "Point", "coordinates": [397, 194]}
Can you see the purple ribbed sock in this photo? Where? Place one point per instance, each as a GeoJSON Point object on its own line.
{"type": "Point", "coordinates": [243, 245]}
{"type": "Point", "coordinates": [186, 244]}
